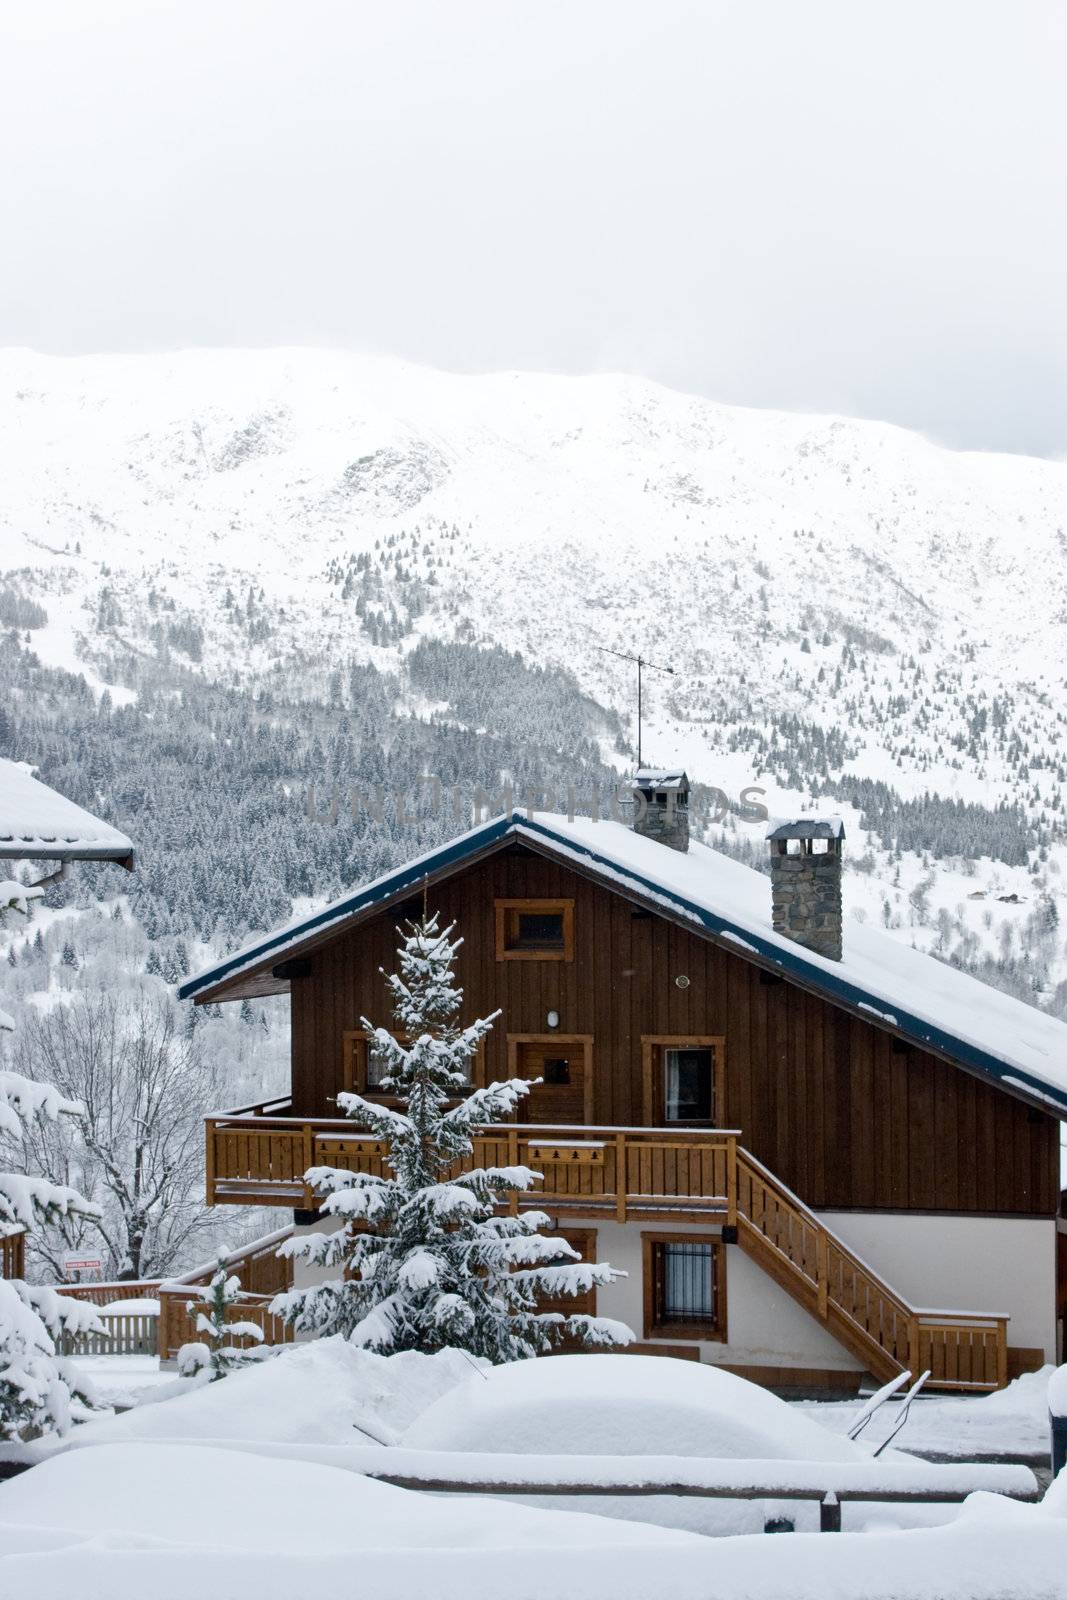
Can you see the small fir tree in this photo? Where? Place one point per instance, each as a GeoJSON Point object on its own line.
{"type": "Point", "coordinates": [215, 1353]}
{"type": "Point", "coordinates": [431, 1256]}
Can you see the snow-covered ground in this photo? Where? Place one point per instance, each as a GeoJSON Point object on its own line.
{"type": "Point", "coordinates": [255, 1485]}
{"type": "Point", "coordinates": [122, 1380]}
{"type": "Point", "coordinates": [1011, 1423]}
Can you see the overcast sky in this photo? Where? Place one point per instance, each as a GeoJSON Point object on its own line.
{"type": "Point", "coordinates": [813, 204]}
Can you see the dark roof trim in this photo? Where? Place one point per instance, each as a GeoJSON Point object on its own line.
{"type": "Point", "coordinates": [294, 940]}
{"type": "Point", "coordinates": [52, 850]}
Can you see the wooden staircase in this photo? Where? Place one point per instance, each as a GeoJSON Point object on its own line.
{"type": "Point", "coordinates": [864, 1313]}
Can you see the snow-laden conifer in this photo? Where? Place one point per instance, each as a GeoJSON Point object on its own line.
{"type": "Point", "coordinates": [431, 1255]}
{"type": "Point", "coordinates": [215, 1352]}
{"type": "Point", "coordinates": [37, 1383]}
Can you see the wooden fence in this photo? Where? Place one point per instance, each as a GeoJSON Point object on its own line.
{"type": "Point", "coordinates": [263, 1274]}
{"type": "Point", "coordinates": [126, 1333]}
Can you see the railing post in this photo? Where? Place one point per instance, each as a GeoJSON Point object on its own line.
{"type": "Point", "coordinates": [513, 1161]}
{"type": "Point", "coordinates": [822, 1273]}
{"type": "Point", "coordinates": [731, 1181]}
{"type": "Point", "coordinates": [830, 1513]}
{"type": "Point", "coordinates": [1002, 1353]}
{"type": "Point", "coordinates": [913, 1345]}
{"type": "Point", "coordinates": [309, 1157]}
{"type": "Point", "coordinates": [209, 1163]}
{"type": "Point", "coordinates": [621, 1177]}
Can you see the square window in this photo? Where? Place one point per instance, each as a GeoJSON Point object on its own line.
{"type": "Point", "coordinates": [557, 1069]}
{"type": "Point", "coordinates": [534, 930]}
{"type": "Point", "coordinates": [539, 930]}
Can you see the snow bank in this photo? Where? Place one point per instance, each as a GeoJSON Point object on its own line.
{"type": "Point", "coordinates": [204, 1498]}
{"type": "Point", "coordinates": [128, 1521]}
{"type": "Point", "coordinates": [1057, 1392]}
{"type": "Point", "coordinates": [621, 1405]}
{"type": "Point", "coordinates": [131, 1308]}
{"type": "Point", "coordinates": [316, 1393]}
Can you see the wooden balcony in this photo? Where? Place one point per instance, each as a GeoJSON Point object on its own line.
{"type": "Point", "coordinates": [258, 1156]}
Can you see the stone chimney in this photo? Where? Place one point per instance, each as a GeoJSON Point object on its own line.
{"type": "Point", "coordinates": [661, 806]}
{"type": "Point", "coordinates": [806, 882]}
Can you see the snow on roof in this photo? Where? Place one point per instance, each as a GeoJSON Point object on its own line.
{"type": "Point", "coordinates": [933, 1004]}
{"type": "Point", "coordinates": [37, 822]}
{"type": "Point", "coordinates": [661, 778]}
{"type": "Point", "coordinates": [805, 828]}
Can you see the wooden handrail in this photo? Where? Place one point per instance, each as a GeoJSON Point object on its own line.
{"type": "Point", "coordinates": [811, 1261]}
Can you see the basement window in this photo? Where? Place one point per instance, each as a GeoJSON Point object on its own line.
{"type": "Point", "coordinates": [534, 930]}
{"type": "Point", "coordinates": [685, 1287]}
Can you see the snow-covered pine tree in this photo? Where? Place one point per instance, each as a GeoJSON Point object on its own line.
{"type": "Point", "coordinates": [37, 1384]}
{"type": "Point", "coordinates": [215, 1353]}
{"type": "Point", "coordinates": [431, 1256]}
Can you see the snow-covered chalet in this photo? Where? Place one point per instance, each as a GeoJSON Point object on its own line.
{"type": "Point", "coordinates": [816, 1153]}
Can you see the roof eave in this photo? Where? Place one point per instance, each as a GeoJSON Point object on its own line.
{"type": "Point", "coordinates": [235, 984]}
{"type": "Point", "coordinates": [45, 850]}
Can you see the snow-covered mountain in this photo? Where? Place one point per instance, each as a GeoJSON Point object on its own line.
{"type": "Point", "coordinates": [840, 601]}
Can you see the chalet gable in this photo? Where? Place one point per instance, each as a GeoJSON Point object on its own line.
{"type": "Point", "coordinates": [902, 991]}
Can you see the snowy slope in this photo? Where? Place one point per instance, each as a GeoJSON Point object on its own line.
{"type": "Point", "coordinates": [604, 498]}
{"type": "Point", "coordinates": [838, 598]}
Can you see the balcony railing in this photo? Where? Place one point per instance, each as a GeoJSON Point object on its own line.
{"type": "Point", "coordinates": [259, 1155]}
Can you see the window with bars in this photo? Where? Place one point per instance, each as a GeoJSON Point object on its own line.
{"type": "Point", "coordinates": [684, 1289]}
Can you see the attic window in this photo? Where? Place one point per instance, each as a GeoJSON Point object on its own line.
{"type": "Point", "coordinates": [534, 930]}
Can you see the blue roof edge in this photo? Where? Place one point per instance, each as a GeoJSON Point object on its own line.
{"type": "Point", "coordinates": [795, 963]}
{"type": "Point", "coordinates": [381, 889]}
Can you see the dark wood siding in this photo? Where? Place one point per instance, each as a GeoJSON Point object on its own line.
{"type": "Point", "coordinates": [838, 1110]}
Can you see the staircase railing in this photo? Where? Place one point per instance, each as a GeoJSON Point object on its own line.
{"type": "Point", "coordinates": [961, 1350]}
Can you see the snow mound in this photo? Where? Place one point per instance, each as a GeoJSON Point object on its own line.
{"type": "Point", "coordinates": [209, 1500]}
{"type": "Point", "coordinates": [317, 1393]}
{"type": "Point", "coordinates": [621, 1405]}
{"type": "Point", "coordinates": [145, 1307]}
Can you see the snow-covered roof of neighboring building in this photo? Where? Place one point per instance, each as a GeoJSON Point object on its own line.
{"type": "Point", "coordinates": [38, 823]}
{"type": "Point", "coordinates": [879, 978]}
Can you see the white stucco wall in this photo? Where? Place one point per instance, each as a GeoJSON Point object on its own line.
{"type": "Point", "coordinates": [964, 1264]}
{"type": "Point", "coordinates": [765, 1325]}
{"type": "Point", "coordinates": [936, 1262]}
{"type": "Point", "coordinates": [306, 1276]}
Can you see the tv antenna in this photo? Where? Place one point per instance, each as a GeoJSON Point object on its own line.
{"type": "Point", "coordinates": [641, 662]}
